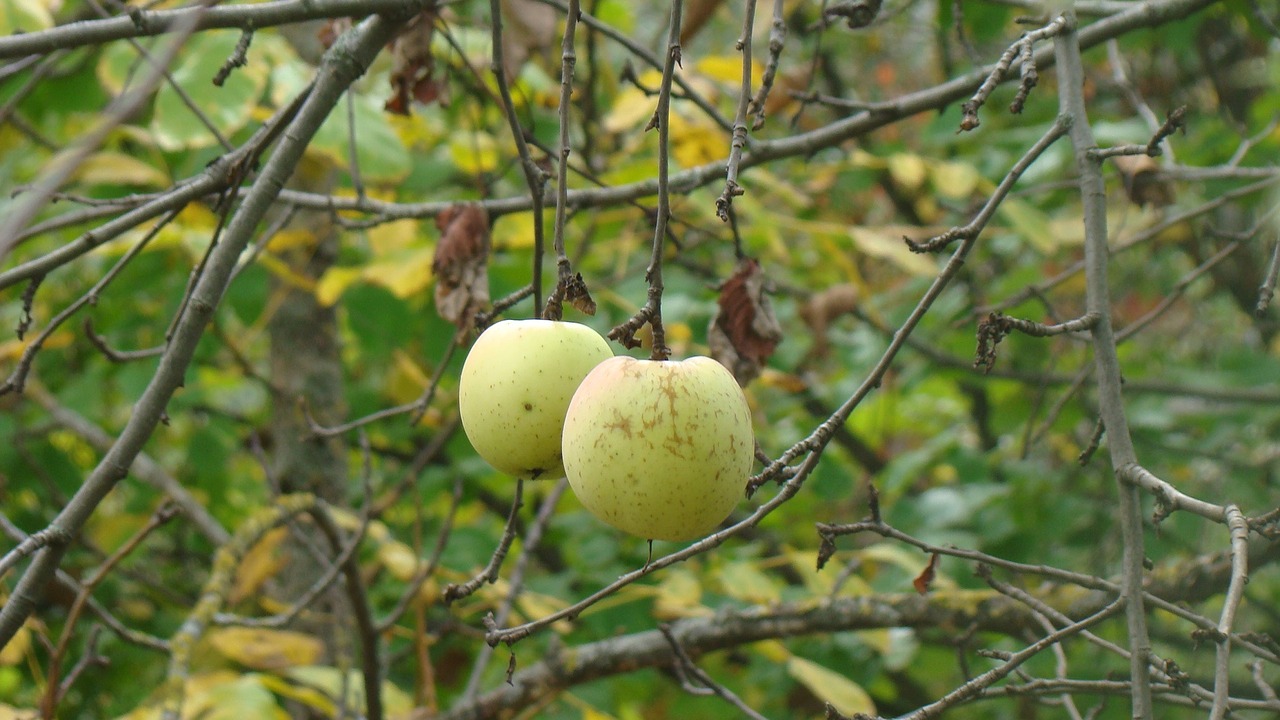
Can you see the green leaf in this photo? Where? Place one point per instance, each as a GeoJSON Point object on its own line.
{"type": "Point", "coordinates": [228, 108]}
{"type": "Point", "coordinates": [830, 686]}
{"type": "Point", "coordinates": [1029, 224]}
{"type": "Point", "coordinates": [382, 156]}
{"type": "Point", "coordinates": [24, 16]}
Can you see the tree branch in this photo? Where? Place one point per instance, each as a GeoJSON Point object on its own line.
{"type": "Point", "coordinates": [343, 64]}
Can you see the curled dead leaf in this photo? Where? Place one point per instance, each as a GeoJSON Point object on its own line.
{"type": "Point", "coordinates": [413, 65]}
{"type": "Point", "coordinates": [926, 576]}
{"type": "Point", "coordinates": [822, 308]}
{"type": "Point", "coordinates": [461, 263]}
{"type": "Point", "coordinates": [745, 332]}
{"type": "Point", "coordinates": [1142, 183]}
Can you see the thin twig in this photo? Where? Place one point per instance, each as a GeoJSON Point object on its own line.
{"type": "Point", "coordinates": [739, 139]}
{"type": "Point", "coordinates": [651, 311]}
{"type": "Point", "coordinates": [489, 574]}
{"type": "Point", "coordinates": [534, 176]}
{"type": "Point", "coordinates": [532, 537]}
{"type": "Point", "coordinates": [1230, 604]}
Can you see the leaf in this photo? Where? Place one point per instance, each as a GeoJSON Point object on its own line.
{"type": "Point", "coordinates": [955, 180]}
{"type": "Point", "coordinates": [908, 171]}
{"type": "Point", "coordinates": [220, 695]}
{"type": "Point", "coordinates": [823, 307]}
{"type": "Point", "coordinates": [113, 168]}
{"type": "Point", "coordinates": [334, 282]}
{"type": "Point", "coordinates": [9, 712]}
{"type": "Point", "coordinates": [926, 576]}
{"type": "Point", "coordinates": [1142, 182]}
{"type": "Point", "coordinates": [228, 108]}
{"type": "Point", "coordinates": [262, 562]}
{"type": "Point", "coordinates": [16, 650]}
{"type": "Point", "coordinates": [745, 332]}
{"type": "Point", "coordinates": [382, 156]}
{"type": "Point", "coordinates": [829, 686]}
{"type": "Point", "coordinates": [528, 26]}
{"type": "Point", "coordinates": [266, 649]}
{"type": "Point", "coordinates": [880, 244]}
{"type": "Point", "coordinates": [399, 560]}
{"type": "Point", "coordinates": [696, 15]}
{"type": "Point", "coordinates": [513, 232]}
{"type": "Point", "coordinates": [474, 153]}
{"type": "Point", "coordinates": [1029, 223]}
{"type": "Point", "coordinates": [316, 686]}
{"type": "Point", "coordinates": [745, 581]}
{"type": "Point", "coordinates": [680, 596]}
{"type": "Point", "coordinates": [413, 65]}
{"type": "Point", "coordinates": [461, 263]}
{"type": "Point", "coordinates": [405, 274]}
{"type": "Point", "coordinates": [24, 16]}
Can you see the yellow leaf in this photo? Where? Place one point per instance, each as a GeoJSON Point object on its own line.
{"type": "Point", "coordinates": [16, 650]}
{"type": "Point", "coordinates": [513, 232]}
{"type": "Point", "coordinates": [844, 694]}
{"type": "Point", "coordinates": [955, 180]}
{"type": "Point", "coordinates": [289, 239]}
{"type": "Point", "coordinates": [13, 348]}
{"type": "Point", "coordinates": [407, 380]}
{"type": "Point", "coordinates": [266, 649]}
{"type": "Point", "coordinates": [697, 142]}
{"type": "Point", "coordinates": [399, 560]}
{"type": "Point", "coordinates": [334, 282]}
{"type": "Point", "coordinates": [888, 247]}
{"type": "Point", "coordinates": [908, 171]}
{"type": "Point", "coordinates": [24, 16]}
{"type": "Point", "coordinates": [113, 168]}
{"type": "Point", "coordinates": [727, 69]}
{"type": "Point", "coordinates": [772, 650]}
{"type": "Point", "coordinates": [284, 272]}
{"type": "Point", "coordinates": [394, 236]}
{"type": "Point", "coordinates": [9, 712]}
{"type": "Point", "coordinates": [680, 595]}
{"type": "Point", "coordinates": [783, 381]}
{"type": "Point", "coordinates": [260, 563]}
{"type": "Point", "coordinates": [317, 687]}
{"type": "Point", "coordinates": [473, 153]}
{"type": "Point", "coordinates": [744, 581]}
{"type": "Point", "coordinates": [406, 275]}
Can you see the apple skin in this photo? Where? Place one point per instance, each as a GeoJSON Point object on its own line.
{"type": "Point", "coordinates": [515, 387]}
{"type": "Point", "coordinates": [659, 449]}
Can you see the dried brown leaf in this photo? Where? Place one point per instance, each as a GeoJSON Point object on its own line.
{"type": "Point", "coordinates": [413, 66]}
{"type": "Point", "coordinates": [926, 576]}
{"type": "Point", "coordinates": [461, 263]}
{"type": "Point", "coordinates": [745, 332]}
{"type": "Point", "coordinates": [528, 26]}
{"type": "Point", "coordinates": [823, 307]}
{"type": "Point", "coordinates": [696, 15]}
{"type": "Point", "coordinates": [1142, 182]}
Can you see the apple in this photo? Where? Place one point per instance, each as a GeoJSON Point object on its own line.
{"type": "Point", "coordinates": [516, 384]}
{"type": "Point", "coordinates": [660, 449]}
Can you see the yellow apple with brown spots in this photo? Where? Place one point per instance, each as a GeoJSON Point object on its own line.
{"type": "Point", "coordinates": [515, 387]}
{"type": "Point", "coordinates": [659, 449]}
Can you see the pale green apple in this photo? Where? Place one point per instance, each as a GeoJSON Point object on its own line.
{"type": "Point", "coordinates": [659, 449]}
{"type": "Point", "coordinates": [515, 387]}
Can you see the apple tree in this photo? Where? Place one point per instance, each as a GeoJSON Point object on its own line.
{"type": "Point", "coordinates": [987, 288]}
